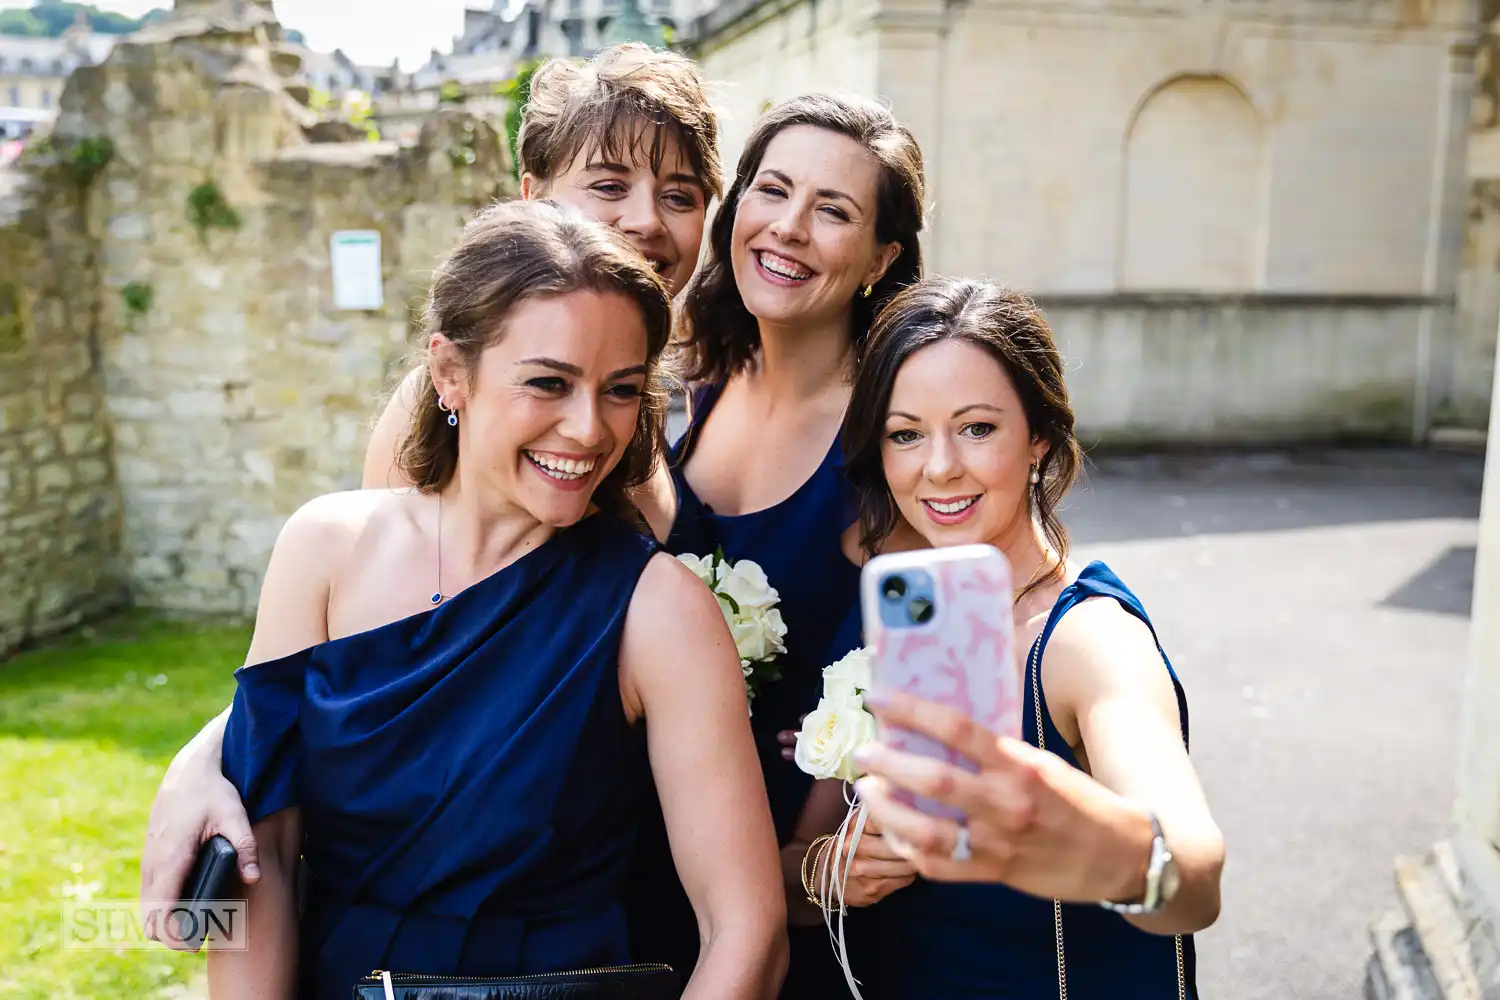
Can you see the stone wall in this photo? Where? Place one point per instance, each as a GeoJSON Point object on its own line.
{"type": "Point", "coordinates": [1304, 152]}
{"type": "Point", "coordinates": [1151, 370]}
{"type": "Point", "coordinates": [228, 387]}
{"type": "Point", "coordinates": [59, 499]}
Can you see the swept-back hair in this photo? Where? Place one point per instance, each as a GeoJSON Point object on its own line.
{"type": "Point", "coordinates": [720, 335]}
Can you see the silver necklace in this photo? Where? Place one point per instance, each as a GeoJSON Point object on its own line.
{"type": "Point", "coordinates": [437, 595]}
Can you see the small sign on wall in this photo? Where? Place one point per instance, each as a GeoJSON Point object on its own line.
{"type": "Point", "coordinates": [357, 282]}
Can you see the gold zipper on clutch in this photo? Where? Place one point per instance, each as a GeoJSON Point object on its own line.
{"type": "Point", "coordinates": [385, 976]}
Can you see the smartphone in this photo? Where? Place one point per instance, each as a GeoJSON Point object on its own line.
{"type": "Point", "coordinates": [213, 877]}
{"type": "Point", "coordinates": [938, 625]}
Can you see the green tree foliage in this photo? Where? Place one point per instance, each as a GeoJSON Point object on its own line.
{"type": "Point", "coordinates": [517, 92]}
{"type": "Point", "coordinates": [50, 18]}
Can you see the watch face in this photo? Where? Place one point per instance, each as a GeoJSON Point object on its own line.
{"type": "Point", "coordinates": [1171, 878]}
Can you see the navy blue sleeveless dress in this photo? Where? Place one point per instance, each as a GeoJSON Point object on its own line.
{"type": "Point", "coordinates": [470, 789]}
{"type": "Point", "coordinates": [798, 542]}
{"type": "Point", "coordinates": [947, 941]}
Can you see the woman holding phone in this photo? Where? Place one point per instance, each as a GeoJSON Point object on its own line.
{"type": "Point", "coordinates": [1089, 855]}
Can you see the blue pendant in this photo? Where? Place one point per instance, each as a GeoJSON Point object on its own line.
{"type": "Point", "coordinates": [437, 598]}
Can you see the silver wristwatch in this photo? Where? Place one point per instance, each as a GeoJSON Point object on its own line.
{"type": "Point", "coordinates": [1162, 878]}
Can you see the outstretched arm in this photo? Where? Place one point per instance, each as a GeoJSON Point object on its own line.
{"type": "Point", "coordinates": [679, 668]}
{"type": "Point", "coordinates": [1042, 826]}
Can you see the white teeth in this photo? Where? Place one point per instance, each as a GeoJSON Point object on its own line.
{"type": "Point", "coordinates": [561, 468]}
{"type": "Point", "coordinates": [783, 268]}
{"type": "Point", "coordinates": [951, 508]}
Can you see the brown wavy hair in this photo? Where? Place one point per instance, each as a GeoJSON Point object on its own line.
{"type": "Point", "coordinates": [719, 334]}
{"type": "Point", "coordinates": [508, 254]}
{"type": "Point", "coordinates": [597, 104]}
{"type": "Point", "coordinates": [1010, 328]}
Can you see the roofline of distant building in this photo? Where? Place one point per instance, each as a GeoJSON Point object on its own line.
{"type": "Point", "coordinates": [721, 17]}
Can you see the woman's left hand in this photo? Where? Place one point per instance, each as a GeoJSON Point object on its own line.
{"type": "Point", "coordinates": [1034, 823]}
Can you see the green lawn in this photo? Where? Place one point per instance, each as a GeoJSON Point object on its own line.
{"type": "Point", "coordinates": [87, 726]}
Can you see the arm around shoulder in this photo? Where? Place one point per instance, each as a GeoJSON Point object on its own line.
{"type": "Point", "coordinates": [679, 668]}
{"type": "Point", "coordinates": [381, 471]}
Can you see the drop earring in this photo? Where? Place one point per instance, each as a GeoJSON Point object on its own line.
{"type": "Point", "coordinates": [452, 414]}
{"type": "Point", "coordinates": [1036, 473]}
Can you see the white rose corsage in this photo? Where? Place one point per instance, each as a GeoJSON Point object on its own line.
{"type": "Point", "coordinates": [840, 724]}
{"type": "Point", "coordinates": [826, 744]}
{"type": "Point", "coordinates": [748, 602]}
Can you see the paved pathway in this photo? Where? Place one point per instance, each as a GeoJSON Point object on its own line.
{"type": "Point", "coordinates": [1317, 608]}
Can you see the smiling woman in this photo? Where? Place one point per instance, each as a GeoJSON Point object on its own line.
{"type": "Point", "coordinates": [463, 774]}
{"type": "Point", "coordinates": [1088, 856]}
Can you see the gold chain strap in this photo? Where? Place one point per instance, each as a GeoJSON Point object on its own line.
{"type": "Point", "coordinates": [1057, 927]}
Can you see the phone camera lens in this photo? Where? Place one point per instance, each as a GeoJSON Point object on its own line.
{"type": "Point", "coordinates": [920, 610]}
{"type": "Point", "coordinates": [894, 588]}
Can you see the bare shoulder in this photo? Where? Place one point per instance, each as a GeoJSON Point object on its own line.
{"type": "Point", "coordinates": [1101, 652]}
{"type": "Point", "coordinates": [675, 648]}
{"type": "Point", "coordinates": [670, 594]}
{"type": "Point", "coordinates": [333, 521]}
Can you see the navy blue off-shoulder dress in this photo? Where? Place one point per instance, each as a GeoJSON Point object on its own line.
{"type": "Point", "coordinates": [469, 787]}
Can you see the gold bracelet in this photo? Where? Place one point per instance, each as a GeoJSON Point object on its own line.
{"type": "Point", "coordinates": [827, 848]}
{"type": "Point", "coordinates": [816, 847]}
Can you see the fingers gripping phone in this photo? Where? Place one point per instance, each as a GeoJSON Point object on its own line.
{"type": "Point", "coordinates": [939, 625]}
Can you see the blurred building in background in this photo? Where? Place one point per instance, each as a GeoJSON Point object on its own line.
{"type": "Point", "coordinates": [34, 70]}
{"type": "Point", "coordinates": [1245, 218]}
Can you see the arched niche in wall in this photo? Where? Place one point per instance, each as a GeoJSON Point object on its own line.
{"type": "Point", "coordinates": [1194, 189]}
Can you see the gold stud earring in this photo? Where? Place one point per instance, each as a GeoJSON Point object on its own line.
{"type": "Point", "coordinates": [868, 290]}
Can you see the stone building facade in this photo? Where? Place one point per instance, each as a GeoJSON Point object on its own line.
{"type": "Point", "coordinates": [1244, 218]}
{"type": "Point", "coordinates": [33, 71]}
{"type": "Point", "coordinates": [175, 375]}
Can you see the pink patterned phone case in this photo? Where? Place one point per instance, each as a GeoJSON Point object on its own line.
{"type": "Point", "coordinates": [947, 637]}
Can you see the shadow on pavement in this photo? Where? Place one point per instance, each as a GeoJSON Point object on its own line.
{"type": "Point", "coordinates": [1127, 498]}
{"type": "Point", "coordinates": [1445, 586]}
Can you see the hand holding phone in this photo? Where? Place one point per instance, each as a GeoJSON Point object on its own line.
{"type": "Point", "coordinates": [212, 877]}
{"type": "Point", "coordinates": [939, 626]}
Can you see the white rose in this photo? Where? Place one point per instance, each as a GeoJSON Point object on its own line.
{"type": "Point", "coordinates": [829, 737]}
{"type": "Point", "coordinates": [751, 637]}
{"type": "Point", "coordinates": [847, 678]}
{"type": "Point", "coordinates": [727, 610]}
{"type": "Point", "coordinates": [775, 630]}
{"type": "Point", "coordinates": [746, 583]}
{"type": "Point", "coordinates": [702, 566]}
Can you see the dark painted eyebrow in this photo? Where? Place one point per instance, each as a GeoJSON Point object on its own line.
{"type": "Point", "coordinates": [977, 406]}
{"type": "Point", "coordinates": [567, 369]}
{"type": "Point", "coordinates": [957, 413]}
{"type": "Point", "coordinates": [610, 167]}
{"type": "Point", "coordinates": [821, 192]}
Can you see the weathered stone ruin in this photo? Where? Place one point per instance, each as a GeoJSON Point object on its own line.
{"type": "Point", "coordinates": [175, 376]}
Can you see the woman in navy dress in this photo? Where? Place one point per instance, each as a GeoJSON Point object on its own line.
{"type": "Point", "coordinates": [445, 712]}
{"type": "Point", "coordinates": [819, 228]}
{"type": "Point", "coordinates": [1059, 883]}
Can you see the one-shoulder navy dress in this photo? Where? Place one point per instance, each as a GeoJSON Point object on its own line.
{"type": "Point", "coordinates": [948, 941]}
{"type": "Point", "coordinates": [470, 789]}
{"type": "Point", "coordinates": [799, 544]}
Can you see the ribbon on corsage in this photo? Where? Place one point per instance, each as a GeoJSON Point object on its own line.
{"type": "Point", "coordinates": [826, 745]}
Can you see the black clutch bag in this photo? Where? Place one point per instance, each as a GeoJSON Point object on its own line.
{"type": "Point", "coordinates": [621, 982]}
